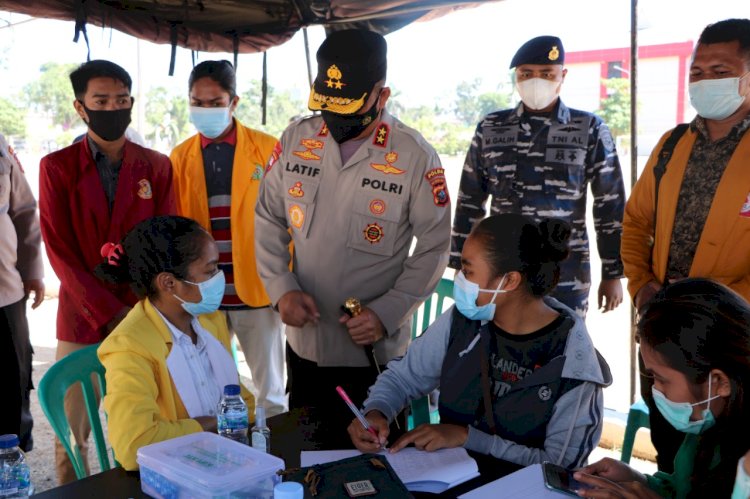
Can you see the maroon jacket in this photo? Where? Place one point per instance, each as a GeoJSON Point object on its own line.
{"type": "Point", "coordinates": [76, 222]}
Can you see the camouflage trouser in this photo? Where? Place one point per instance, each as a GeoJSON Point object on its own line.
{"type": "Point", "coordinates": [577, 300]}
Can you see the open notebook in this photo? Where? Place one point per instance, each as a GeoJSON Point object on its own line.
{"type": "Point", "coordinates": [420, 471]}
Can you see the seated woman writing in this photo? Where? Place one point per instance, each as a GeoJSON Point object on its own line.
{"type": "Point", "coordinates": [168, 361]}
{"type": "Point", "coordinates": [695, 342]}
{"type": "Point", "coordinates": [519, 377]}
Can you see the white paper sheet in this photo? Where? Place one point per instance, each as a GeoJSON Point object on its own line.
{"type": "Point", "coordinates": [527, 483]}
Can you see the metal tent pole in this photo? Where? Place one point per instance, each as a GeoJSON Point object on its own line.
{"type": "Point", "coordinates": [633, 165]}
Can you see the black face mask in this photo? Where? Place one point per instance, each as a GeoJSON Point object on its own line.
{"type": "Point", "coordinates": [109, 125]}
{"type": "Point", "coordinates": [345, 127]}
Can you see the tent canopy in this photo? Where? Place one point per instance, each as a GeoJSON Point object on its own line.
{"type": "Point", "coordinates": [234, 26]}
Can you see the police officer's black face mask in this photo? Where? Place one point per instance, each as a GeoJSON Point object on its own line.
{"type": "Point", "coordinates": [346, 127]}
{"type": "Point", "coordinates": [109, 125]}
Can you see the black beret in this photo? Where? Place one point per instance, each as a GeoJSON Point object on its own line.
{"type": "Point", "coordinates": [350, 62]}
{"type": "Point", "coordinates": [540, 50]}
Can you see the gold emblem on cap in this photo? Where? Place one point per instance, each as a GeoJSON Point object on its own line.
{"type": "Point", "coordinates": [334, 77]}
{"type": "Point", "coordinates": [553, 54]}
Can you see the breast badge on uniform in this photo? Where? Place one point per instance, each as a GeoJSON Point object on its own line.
{"type": "Point", "coordinates": [310, 145]}
{"type": "Point", "coordinates": [144, 189]}
{"type": "Point", "coordinates": [377, 206]}
{"type": "Point", "coordinates": [436, 178]}
{"type": "Point", "coordinates": [388, 168]}
{"type": "Point", "coordinates": [297, 216]}
{"type": "Point", "coordinates": [296, 190]}
{"type": "Point", "coordinates": [745, 210]}
{"type": "Point", "coordinates": [275, 155]}
{"type": "Point", "coordinates": [257, 172]}
{"type": "Point", "coordinates": [373, 233]}
{"type": "Point", "coordinates": [381, 135]}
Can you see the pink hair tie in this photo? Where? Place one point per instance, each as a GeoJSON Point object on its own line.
{"type": "Point", "coordinates": [112, 252]}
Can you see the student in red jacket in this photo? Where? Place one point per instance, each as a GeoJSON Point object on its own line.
{"type": "Point", "coordinates": [92, 192]}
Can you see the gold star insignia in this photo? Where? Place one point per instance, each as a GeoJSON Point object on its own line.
{"type": "Point", "coordinates": [339, 85]}
{"type": "Point", "coordinates": [329, 84]}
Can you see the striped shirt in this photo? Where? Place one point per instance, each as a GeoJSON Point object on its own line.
{"type": "Point", "coordinates": [218, 160]}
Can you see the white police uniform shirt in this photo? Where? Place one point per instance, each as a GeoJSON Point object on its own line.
{"type": "Point", "coordinates": [353, 225]}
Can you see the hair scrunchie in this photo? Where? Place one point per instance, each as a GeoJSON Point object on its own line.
{"type": "Point", "coordinates": [112, 253]}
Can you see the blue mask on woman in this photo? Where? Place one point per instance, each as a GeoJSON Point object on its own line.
{"type": "Point", "coordinates": [465, 294]}
{"type": "Point", "coordinates": [741, 483]}
{"type": "Point", "coordinates": [212, 292]}
{"type": "Point", "coordinates": [210, 121]}
{"type": "Point", "coordinates": [678, 413]}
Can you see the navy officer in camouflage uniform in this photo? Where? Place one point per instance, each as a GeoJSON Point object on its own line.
{"type": "Point", "coordinates": [538, 160]}
{"type": "Point", "coordinates": [352, 187]}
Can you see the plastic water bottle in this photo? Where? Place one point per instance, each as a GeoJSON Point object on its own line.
{"type": "Point", "coordinates": [231, 417]}
{"type": "Point", "coordinates": [261, 434]}
{"type": "Point", "coordinates": [15, 476]}
{"type": "Point", "coordinates": [288, 490]}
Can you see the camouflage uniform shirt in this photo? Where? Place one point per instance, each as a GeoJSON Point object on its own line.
{"type": "Point", "coordinates": [540, 165]}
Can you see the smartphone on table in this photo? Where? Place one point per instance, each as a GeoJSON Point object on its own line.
{"type": "Point", "coordinates": [560, 479]}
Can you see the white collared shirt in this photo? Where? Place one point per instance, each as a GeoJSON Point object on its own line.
{"type": "Point", "coordinates": [202, 373]}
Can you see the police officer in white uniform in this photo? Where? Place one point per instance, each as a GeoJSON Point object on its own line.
{"type": "Point", "coordinates": [351, 188]}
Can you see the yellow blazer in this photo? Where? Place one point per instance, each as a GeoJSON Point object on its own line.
{"type": "Point", "coordinates": [723, 252]}
{"type": "Point", "coordinates": [252, 151]}
{"type": "Point", "coordinates": [142, 403]}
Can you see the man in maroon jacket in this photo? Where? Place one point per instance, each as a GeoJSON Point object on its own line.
{"type": "Point", "coordinates": [92, 193]}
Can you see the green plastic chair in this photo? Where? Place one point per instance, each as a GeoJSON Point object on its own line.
{"type": "Point", "coordinates": [78, 367]}
{"type": "Point", "coordinates": [420, 408]}
{"type": "Point", "coordinates": [637, 418]}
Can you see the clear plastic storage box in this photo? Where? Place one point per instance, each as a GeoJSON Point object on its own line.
{"type": "Point", "coordinates": [207, 466]}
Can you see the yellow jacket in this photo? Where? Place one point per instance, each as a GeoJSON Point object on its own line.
{"type": "Point", "coordinates": [722, 252]}
{"type": "Point", "coordinates": [142, 403]}
{"type": "Point", "coordinates": [252, 151]}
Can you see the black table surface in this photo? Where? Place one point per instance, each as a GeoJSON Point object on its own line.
{"type": "Point", "coordinates": [291, 433]}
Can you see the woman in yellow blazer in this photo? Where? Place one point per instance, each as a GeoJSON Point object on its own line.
{"type": "Point", "coordinates": [168, 361]}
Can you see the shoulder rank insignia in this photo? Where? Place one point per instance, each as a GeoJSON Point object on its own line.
{"type": "Point", "coordinates": [310, 145]}
{"type": "Point", "coordinates": [381, 135]}
{"type": "Point", "coordinates": [275, 155]}
{"type": "Point", "coordinates": [388, 168]}
{"type": "Point", "coordinates": [323, 130]}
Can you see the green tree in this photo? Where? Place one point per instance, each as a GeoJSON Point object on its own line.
{"type": "Point", "coordinates": [53, 95]}
{"type": "Point", "coordinates": [471, 106]}
{"type": "Point", "coordinates": [615, 108]}
{"type": "Point", "coordinates": [281, 107]}
{"type": "Point", "coordinates": [12, 118]}
{"type": "Point", "coordinates": [167, 118]}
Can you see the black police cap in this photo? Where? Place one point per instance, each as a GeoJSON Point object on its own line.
{"type": "Point", "coordinates": [540, 50]}
{"type": "Point", "coordinates": [350, 62]}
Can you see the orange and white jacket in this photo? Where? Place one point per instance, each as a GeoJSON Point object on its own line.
{"type": "Point", "coordinates": [252, 151]}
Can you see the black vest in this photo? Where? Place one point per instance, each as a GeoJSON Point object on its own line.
{"type": "Point", "coordinates": [522, 414]}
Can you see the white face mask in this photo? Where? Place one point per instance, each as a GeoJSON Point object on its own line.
{"type": "Point", "coordinates": [716, 99]}
{"type": "Point", "coordinates": [742, 482]}
{"type": "Point", "coordinates": [538, 93]}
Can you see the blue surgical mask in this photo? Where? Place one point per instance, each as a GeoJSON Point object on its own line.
{"type": "Point", "coordinates": [212, 292]}
{"type": "Point", "coordinates": [716, 99]}
{"type": "Point", "coordinates": [465, 294]}
{"type": "Point", "coordinates": [678, 413]}
{"type": "Point", "coordinates": [210, 121]}
{"type": "Point", "coordinates": [742, 482]}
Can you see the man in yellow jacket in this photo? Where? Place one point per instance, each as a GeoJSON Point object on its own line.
{"type": "Point", "coordinates": [217, 174]}
{"type": "Point", "coordinates": [701, 225]}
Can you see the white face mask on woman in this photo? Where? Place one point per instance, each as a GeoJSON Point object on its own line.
{"type": "Point", "coordinates": [538, 93]}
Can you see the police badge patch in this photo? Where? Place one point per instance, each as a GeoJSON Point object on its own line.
{"type": "Point", "coordinates": [373, 233]}
{"type": "Point", "coordinates": [436, 178]}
